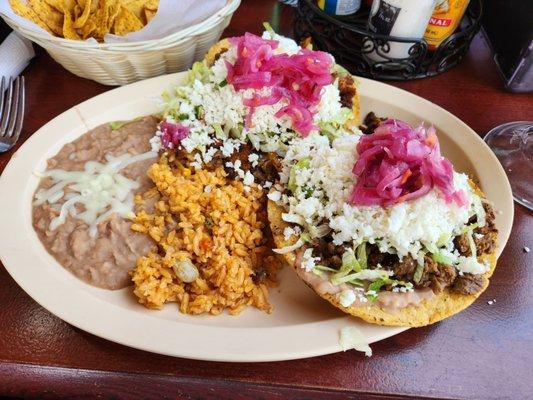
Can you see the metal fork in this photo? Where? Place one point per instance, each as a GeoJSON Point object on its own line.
{"type": "Point", "coordinates": [11, 112]}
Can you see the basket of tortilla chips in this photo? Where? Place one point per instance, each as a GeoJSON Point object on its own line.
{"type": "Point", "coordinates": [116, 42]}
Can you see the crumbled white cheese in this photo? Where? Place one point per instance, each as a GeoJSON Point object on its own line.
{"type": "Point", "coordinates": [471, 265]}
{"type": "Point", "coordinates": [248, 178]}
{"type": "Point", "coordinates": [274, 195]}
{"type": "Point", "coordinates": [347, 297]}
{"type": "Point", "coordinates": [209, 153]}
{"type": "Point", "coordinates": [308, 261]}
{"type": "Point", "coordinates": [328, 182]}
{"type": "Point", "coordinates": [253, 158]}
{"type": "Point", "coordinates": [155, 142]}
{"type": "Point", "coordinates": [291, 231]}
{"type": "Point", "coordinates": [208, 188]}
{"type": "Point", "coordinates": [229, 146]}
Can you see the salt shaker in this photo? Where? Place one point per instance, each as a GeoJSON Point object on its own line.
{"type": "Point", "coordinates": [400, 18]}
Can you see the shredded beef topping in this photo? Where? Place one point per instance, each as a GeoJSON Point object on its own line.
{"type": "Point", "coordinates": [484, 237]}
{"type": "Point", "coordinates": [330, 254]}
{"type": "Point", "coordinates": [347, 90]}
{"type": "Point", "coordinates": [267, 168]}
{"type": "Point", "coordinates": [370, 123]}
{"type": "Point", "coordinates": [405, 269]}
{"type": "Point", "coordinates": [469, 284]}
{"type": "Point", "coordinates": [435, 275]}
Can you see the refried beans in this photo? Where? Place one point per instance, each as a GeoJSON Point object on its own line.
{"type": "Point", "coordinates": [106, 259]}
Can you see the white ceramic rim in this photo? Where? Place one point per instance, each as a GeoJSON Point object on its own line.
{"type": "Point", "coordinates": [142, 329]}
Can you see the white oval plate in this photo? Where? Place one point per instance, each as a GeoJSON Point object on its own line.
{"type": "Point", "coordinates": [302, 325]}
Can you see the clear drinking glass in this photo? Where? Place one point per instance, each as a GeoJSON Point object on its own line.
{"type": "Point", "coordinates": [513, 145]}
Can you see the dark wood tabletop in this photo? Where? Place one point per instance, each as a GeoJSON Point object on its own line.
{"type": "Point", "coordinates": [485, 352]}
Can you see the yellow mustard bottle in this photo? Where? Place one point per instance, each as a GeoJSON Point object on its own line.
{"type": "Point", "coordinates": [444, 21]}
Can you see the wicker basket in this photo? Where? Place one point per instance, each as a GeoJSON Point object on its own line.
{"type": "Point", "coordinates": [123, 63]}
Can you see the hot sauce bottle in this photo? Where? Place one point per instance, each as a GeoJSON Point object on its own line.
{"type": "Point", "coordinates": [444, 21]}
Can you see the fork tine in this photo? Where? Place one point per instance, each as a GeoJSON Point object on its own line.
{"type": "Point", "coordinates": [20, 110]}
{"type": "Point", "coordinates": [2, 89]}
{"type": "Point", "coordinates": [6, 109]}
{"type": "Point", "coordinates": [13, 109]}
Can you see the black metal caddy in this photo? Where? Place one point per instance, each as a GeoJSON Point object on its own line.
{"type": "Point", "coordinates": [349, 40]}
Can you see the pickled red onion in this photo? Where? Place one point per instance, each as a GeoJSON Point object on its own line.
{"type": "Point", "coordinates": [172, 134]}
{"type": "Point", "coordinates": [398, 163]}
{"type": "Point", "coordinates": [297, 78]}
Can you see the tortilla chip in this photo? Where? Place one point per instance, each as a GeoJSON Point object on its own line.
{"type": "Point", "coordinates": [101, 19]}
{"type": "Point", "coordinates": [214, 52]}
{"type": "Point", "coordinates": [113, 13]}
{"type": "Point", "coordinates": [441, 306]}
{"type": "Point", "coordinates": [87, 30]}
{"type": "Point", "coordinates": [126, 22]}
{"type": "Point", "coordinates": [69, 32]}
{"type": "Point", "coordinates": [24, 11]}
{"type": "Point", "coordinates": [50, 15]}
{"type": "Point", "coordinates": [136, 7]}
{"type": "Point", "coordinates": [84, 16]}
{"type": "Point", "coordinates": [152, 5]}
{"type": "Point", "coordinates": [149, 15]}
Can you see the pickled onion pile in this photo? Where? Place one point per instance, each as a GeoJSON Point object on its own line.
{"type": "Point", "coordinates": [298, 78]}
{"type": "Point", "coordinates": [172, 134]}
{"type": "Point", "coordinates": [398, 163]}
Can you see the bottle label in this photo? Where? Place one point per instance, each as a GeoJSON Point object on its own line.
{"type": "Point", "coordinates": [339, 7]}
{"type": "Point", "coordinates": [444, 21]}
{"type": "Point", "coordinates": [384, 18]}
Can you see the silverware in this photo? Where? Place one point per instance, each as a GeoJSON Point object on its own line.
{"type": "Point", "coordinates": [11, 111]}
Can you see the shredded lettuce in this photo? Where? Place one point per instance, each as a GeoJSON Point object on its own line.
{"type": "Point", "coordinates": [340, 71]}
{"type": "Point", "coordinates": [329, 130]}
{"type": "Point", "coordinates": [324, 268]}
{"type": "Point", "coordinates": [479, 211]}
{"type": "Point", "coordinates": [199, 71]}
{"type": "Point", "coordinates": [349, 261]}
{"type": "Point", "coordinates": [301, 164]}
{"type": "Point", "coordinates": [269, 28]}
{"type": "Point", "coordinates": [305, 237]}
{"type": "Point", "coordinates": [364, 275]}
{"type": "Point", "coordinates": [352, 338]}
{"type": "Point", "coordinates": [418, 273]}
{"type": "Point", "coordinates": [343, 116]}
{"type": "Point", "coordinates": [199, 111]}
{"type": "Point", "coordinates": [441, 258]}
{"type": "Point", "coordinates": [468, 228]}
{"type": "Point", "coordinates": [361, 256]}
{"type": "Point", "coordinates": [219, 132]}
{"type": "Point", "coordinates": [374, 287]}
{"type": "Point", "coordinates": [443, 240]}
{"type": "Point", "coordinates": [114, 125]}
{"type": "Point", "coordinates": [472, 243]}
{"type": "Point", "coordinates": [237, 131]}
{"type": "Point", "coordinates": [289, 249]}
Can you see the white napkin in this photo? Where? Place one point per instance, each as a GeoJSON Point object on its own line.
{"type": "Point", "coordinates": [15, 54]}
{"type": "Point", "coordinates": [172, 16]}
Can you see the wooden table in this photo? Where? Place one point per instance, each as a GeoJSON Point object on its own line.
{"type": "Point", "coordinates": [485, 352]}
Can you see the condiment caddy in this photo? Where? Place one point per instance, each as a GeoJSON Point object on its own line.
{"type": "Point", "coordinates": [386, 42]}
